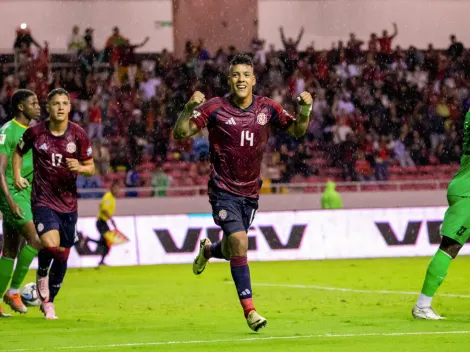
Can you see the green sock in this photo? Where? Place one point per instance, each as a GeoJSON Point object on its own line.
{"type": "Point", "coordinates": [436, 273]}
{"type": "Point", "coordinates": [25, 258]}
{"type": "Point", "coordinates": [6, 270]}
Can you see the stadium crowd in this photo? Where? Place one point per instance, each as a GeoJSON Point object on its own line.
{"type": "Point", "coordinates": [375, 104]}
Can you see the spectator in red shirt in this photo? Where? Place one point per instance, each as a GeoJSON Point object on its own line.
{"type": "Point", "coordinates": [128, 60]}
{"type": "Point", "coordinates": [95, 128]}
{"type": "Point", "coordinates": [373, 44]}
{"type": "Point", "coordinates": [386, 45]}
{"type": "Point", "coordinates": [362, 168]}
{"type": "Point", "coordinates": [113, 45]}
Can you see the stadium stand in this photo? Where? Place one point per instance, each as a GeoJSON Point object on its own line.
{"type": "Point", "coordinates": [378, 115]}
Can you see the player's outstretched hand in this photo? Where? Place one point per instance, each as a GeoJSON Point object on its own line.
{"type": "Point", "coordinates": [305, 98]}
{"type": "Point", "coordinates": [197, 99]}
{"type": "Point", "coordinates": [17, 211]}
{"type": "Point", "coordinates": [73, 165]}
{"type": "Point", "coordinates": [21, 184]}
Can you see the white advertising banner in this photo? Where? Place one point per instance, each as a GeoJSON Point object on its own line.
{"type": "Point", "coordinates": [302, 235]}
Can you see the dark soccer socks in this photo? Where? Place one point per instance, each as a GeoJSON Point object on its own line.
{"type": "Point", "coordinates": [45, 257]}
{"type": "Point", "coordinates": [241, 278]}
{"type": "Point", "coordinates": [56, 277]}
{"type": "Point", "coordinates": [57, 272]}
{"type": "Point", "coordinates": [215, 251]}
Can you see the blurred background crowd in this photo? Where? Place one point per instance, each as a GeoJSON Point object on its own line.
{"type": "Point", "coordinates": [377, 107]}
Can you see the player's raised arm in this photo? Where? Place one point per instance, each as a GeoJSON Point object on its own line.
{"type": "Point", "coordinates": [298, 128]}
{"type": "Point", "coordinates": [185, 127]}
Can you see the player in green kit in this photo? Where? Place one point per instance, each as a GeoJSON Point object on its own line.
{"type": "Point", "coordinates": [455, 232]}
{"type": "Point", "coordinates": [16, 205]}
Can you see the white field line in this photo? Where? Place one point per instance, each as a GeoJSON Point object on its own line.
{"type": "Point", "coordinates": [251, 339]}
{"type": "Point", "coordinates": [341, 289]}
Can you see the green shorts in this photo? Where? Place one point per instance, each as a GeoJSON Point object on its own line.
{"type": "Point", "coordinates": [456, 224]}
{"type": "Point", "coordinates": [23, 199]}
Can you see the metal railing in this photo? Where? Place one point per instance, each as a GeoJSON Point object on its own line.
{"type": "Point", "coordinates": [283, 188]}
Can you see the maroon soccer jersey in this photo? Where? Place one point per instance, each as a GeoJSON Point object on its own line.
{"type": "Point", "coordinates": [237, 140]}
{"type": "Point", "coordinates": [54, 185]}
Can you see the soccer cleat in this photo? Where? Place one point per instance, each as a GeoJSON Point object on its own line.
{"type": "Point", "coordinates": [425, 313]}
{"type": "Point", "coordinates": [49, 311]}
{"type": "Point", "coordinates": [2, 314]}
{"type": "Point", "coordinates": [200, 262]}
{"type": "Point", "coordinates": [15, 302]}
{"type": "Point", "coordinates": [256, 321]}
{"type": "Point", "coordinates": [42, 285]}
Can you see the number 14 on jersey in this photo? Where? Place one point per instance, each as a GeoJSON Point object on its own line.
{"type": "Point", "coordinates": [247, 137]}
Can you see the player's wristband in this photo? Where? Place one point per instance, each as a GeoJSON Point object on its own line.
{"type": "Point", "coordinates": [305, 110]}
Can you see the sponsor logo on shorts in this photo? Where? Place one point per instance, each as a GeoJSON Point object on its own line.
{"type": "Point", "coordinates": [40, 227]}
{"type": "Point", "coordinates": [71, 147]}
{"type": "Point", "coordinates": [262, 118]}
{"type": "Point", "coordinates": [223, 214]}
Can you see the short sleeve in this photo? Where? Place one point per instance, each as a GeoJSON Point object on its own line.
{"type": "Point", "coordinates": [6, 145]}
{"type": "Point", "coordinates": [105, 202]}
{"type": "Point", "coordinates": [26, 142]}
{"type": "Point", "coordinates": [202, 113]}
{"type": "Point", "coordinates": [85, 152]}
{"type": "Point", "coordinates": [280, 117]}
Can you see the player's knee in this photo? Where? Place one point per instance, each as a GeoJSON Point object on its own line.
{"type": "Point", "coordinates": [35, 242]}
{"type": "Point", "coordinates": [238, 244]}
{"type": "Point", "coordinates": [50, 239]}
{"type": "Point", "coordinates": [450, 246]}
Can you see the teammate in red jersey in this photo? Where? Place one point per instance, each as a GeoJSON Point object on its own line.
{"type": "Point", "coordinates": [239, 126]}
{"type": "Point", "coordinates": [61, 151]}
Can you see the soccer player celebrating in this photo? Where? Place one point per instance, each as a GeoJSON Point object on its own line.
{"type": "Point", "coordinates": [61, 151]}
{"type": "Point", "coordinates": [16, 205]}
{"type": "Point", "coordinates": [239, 126]}
{"type": "Point", "coordinates": [105, 214]}
{"type": "Point", "coordinates": [455, 232]}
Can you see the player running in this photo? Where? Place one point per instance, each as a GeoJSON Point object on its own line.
{"type": "Point", "coordinates": [61, 151]}
{"type": "Point", "coordinates": [455, 232]}
{"type": "Point", "coordinates": [16, 205]}
{"type": "Point", "coordinates": [239, 126]}
{"type": "Point", "coordinates": [105, 214]}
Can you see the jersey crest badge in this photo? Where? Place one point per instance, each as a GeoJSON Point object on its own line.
{"type": "Point", "coordinates": [262, 119]}
{"type": "Point", "coordinates": [195, 114]}
{"type": "Point", "coordinates": [2, 138]}
{"type": "Point", "coordinates": [71, 148]}
{"type": "Point", "coordinates": [89, 151]}
{"type": "Point", "coordinates": [223, 214]}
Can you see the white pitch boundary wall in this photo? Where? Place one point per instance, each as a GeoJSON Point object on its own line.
{"type": "Point", "coordinates": [420, 21]}
{"type": "Point", "coordinates": [287, 227]}
{"type": "Point", "coordinates": [289, 235]}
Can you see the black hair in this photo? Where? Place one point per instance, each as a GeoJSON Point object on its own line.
{"type": "Point", "coordinates": [19, 97]}
{"type": "Point", "coordinates": [242, 59]}
{"type": "Point", "coordinates": [57, 91]}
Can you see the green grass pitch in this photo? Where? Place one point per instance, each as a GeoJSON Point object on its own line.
{"type": "Point", "coordinates": [167, 308]}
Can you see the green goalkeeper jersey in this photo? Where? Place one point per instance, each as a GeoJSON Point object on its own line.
{"type": "Point", "coordinates": [10, 134]}
{"type": "Point", "coordinates": [460, 184]}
